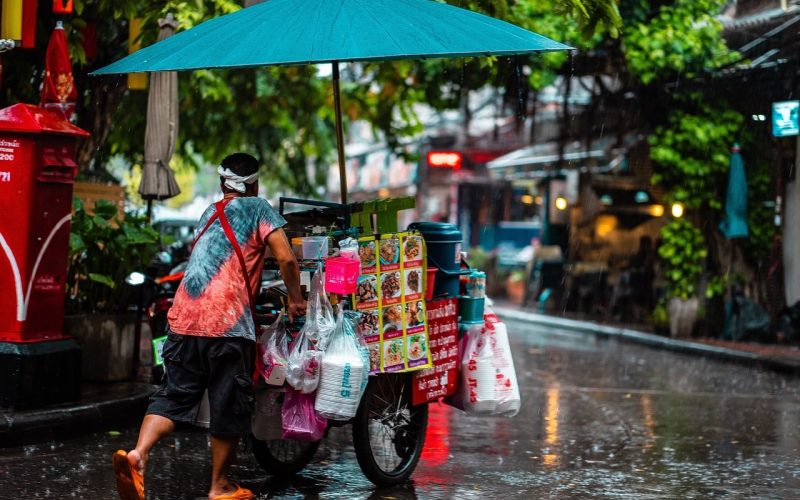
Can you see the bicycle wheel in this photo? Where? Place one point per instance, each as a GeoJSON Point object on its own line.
{"type": "Point", "coordinates": [283, 457]}
{"type": "Point", "coordinates": [388, 432]}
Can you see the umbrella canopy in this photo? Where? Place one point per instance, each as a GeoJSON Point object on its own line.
{"type": "Point", "coordinates": [734, 225]}
{"type": "Point", "coordinates": [292, 32]}
{"type": "Point", "coordinates": [161, 133]}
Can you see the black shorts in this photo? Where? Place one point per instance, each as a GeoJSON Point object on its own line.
{"type": "Point", "coordinates": [192, 364]}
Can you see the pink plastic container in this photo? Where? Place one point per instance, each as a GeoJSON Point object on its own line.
{"type": "Point", "coordinates": [341, 275]}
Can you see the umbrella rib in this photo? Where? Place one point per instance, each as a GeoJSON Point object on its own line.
{"type": "Point", "coordinates": [377, 22]}
{"type": "Point", "coordinates": [314, 35]}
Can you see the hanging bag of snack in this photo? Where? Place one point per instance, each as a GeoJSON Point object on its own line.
{"type": "Point", "coordinates": [298, 418]}
{"type": "Point", "coordinates": [272, 353]}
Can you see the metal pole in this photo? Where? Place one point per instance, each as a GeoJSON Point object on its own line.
{"type": "Point", "coordinates": [337, 105]}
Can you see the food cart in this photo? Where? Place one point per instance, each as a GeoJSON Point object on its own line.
{"type": "Point", "coordinates": [410, 334]}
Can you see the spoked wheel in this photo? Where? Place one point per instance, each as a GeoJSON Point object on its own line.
{"type": "Point", "coordinates": [388, 432]}
{"type": "Point", "coordinates": [283, 457]}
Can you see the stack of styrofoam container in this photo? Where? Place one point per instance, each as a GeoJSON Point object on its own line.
{"type": "Point", "coordinates": [340, 388]}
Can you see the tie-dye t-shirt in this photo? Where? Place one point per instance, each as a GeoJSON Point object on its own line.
{"type": "Point", "coordinates": [212, 298]}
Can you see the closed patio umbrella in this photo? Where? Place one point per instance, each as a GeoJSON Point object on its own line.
{"type": "Point", "coordinates": [161, 134]}
{"type": "Point", "coordinates": [734, 224]}
{"type": "Point", "coordinates": [295, 32]}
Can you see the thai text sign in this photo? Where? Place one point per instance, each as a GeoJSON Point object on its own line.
{"type": "Point", "coordinates": [441, 379]}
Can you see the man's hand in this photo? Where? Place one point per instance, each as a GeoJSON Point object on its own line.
{"type": "Point", "coordinates": [296, 310]}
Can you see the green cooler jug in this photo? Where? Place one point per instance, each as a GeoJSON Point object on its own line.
{"type": "Point", "coordinates": [443, 242]}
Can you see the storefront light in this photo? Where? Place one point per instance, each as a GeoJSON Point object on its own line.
{"type": "Point", "coordinates": [561, 203]}
{"type": "Point", "coordinates": [526, 199]}
{"type": "Point", "coordinates": [656, 210]}
{"type": "Point", "coordinates": [677, 210]}
{"type": "Point", "coordinates": [445, 159]}
{"type": "Point", "coordinates": [538, 200]}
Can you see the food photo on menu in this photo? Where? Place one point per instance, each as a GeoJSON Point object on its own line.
{"type": "Point", "coordinates": [412, 248]}
{"type": "Point", "coordinates": [417, 350]}
{"type": "Point", "coordinates": [374, 357]}
{"type": "Point", "coordinates": [393, 358]}
{"type": "Point", "coordinates": [415, 314]}
{"type": "Point", "coordinates": [368, 323]}
{"type": "Point", "coordinates": [367, 290]}
{"type": "Point", "coordinates": [413, 282]}
{"type": "Point", "coordinates": [392, 321]}
{"type": "Point", "coordinates": [389, 251]}
{"type": "Point", "coordinates": [366, 253]}
{"type": "Point", "coordinates": [390, 285]}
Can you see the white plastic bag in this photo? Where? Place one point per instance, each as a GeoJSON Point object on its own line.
{"type": "Point", "coordinates": [488, 384]}
{"type": "Point", "coordinates": [320, 312]}
{"type": "Point", "coordinates": [302, 371]}
{"type": "Point", "coordinates": [506, 386]}
{"type": "Point", "coordinates": [341, 382]}
{"type": "Point", "coordinates": [272, 353]}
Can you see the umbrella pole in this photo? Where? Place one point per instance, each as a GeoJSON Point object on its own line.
{"type": "Point", "coordinates": [337, 105]}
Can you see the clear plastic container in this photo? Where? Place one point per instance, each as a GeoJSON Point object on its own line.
{"type": "Point", "coordinates": [315, 247]}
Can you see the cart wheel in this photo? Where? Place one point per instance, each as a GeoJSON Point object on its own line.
{"type": "Point", "coordinates": [283, 457]}
{"type": "Point", "coordinates": [388, 432]}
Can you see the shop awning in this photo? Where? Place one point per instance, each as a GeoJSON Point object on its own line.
{"type": "Point", "coordinates": [540, 161]}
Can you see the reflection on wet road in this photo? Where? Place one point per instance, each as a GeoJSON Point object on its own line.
{"type": "Point", "coordinates": [599, 419]}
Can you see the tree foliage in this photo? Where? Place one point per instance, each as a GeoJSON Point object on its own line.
{"type": "Point", "coordinates": [692, 149]}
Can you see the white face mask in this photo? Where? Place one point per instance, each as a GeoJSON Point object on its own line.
{"type": "Point", "coordinates": [236, 182]}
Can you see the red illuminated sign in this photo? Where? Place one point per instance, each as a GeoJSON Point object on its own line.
{"type": "Point", "coordinates": [445, 159]}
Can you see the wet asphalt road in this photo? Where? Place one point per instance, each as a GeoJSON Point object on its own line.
{"type": "Point", "coordinates": [600, 419]}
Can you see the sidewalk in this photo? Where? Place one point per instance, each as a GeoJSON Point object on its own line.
{"type": "Point", "coordinates": [102, 406]}
{"type": "Point", "coordinates": [775, 357]}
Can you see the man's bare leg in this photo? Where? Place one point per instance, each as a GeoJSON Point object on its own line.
{"type": "Point", "coordinates": [154, 427]}
{"type": "Point", "coordinates": [223, 453]}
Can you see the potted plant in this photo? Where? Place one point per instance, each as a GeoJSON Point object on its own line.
{"type": "Point", "coordinates": [683, 251]}
{"type": "Point", "coordinates": [105, 247]}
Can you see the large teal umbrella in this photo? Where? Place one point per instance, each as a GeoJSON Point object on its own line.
{"type": "Point", "coordinates": [734, 224]}
{"type": "Point", "coordinates": [292, 32]}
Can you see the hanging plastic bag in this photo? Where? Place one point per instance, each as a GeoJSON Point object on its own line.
{"type": "Point", "coordinates": [298, 418]}
{"type": "Point", "coordinates": [343, 369]}
{"type": "Point", "coordinates": [488, 382]}
{"type": "Point", "coordinates": [303, 364]}
{"type": "Point", "coordinates": [506, 388]}
{"type": "Point", "coordinates": [272, 353]}
{"type": "Point", "coordinates": [351, 328]}
{"type": "Point", "coordinates": [320, 312]}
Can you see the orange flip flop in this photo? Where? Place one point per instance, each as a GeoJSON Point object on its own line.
{"type": "Point", "coordinates": [239, 494]}
{"type": "Point", "coordinates": [130, 483]}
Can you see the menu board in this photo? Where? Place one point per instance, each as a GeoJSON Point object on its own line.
{"type": "Point", "coordinates": [390, 297]}
{"type": "Point", "coordinates": [442, 378]}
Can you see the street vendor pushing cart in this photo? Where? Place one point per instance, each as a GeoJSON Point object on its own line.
{"type": "Point", "coordinates": [211, 338]}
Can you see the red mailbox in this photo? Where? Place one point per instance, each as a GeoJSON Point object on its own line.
{"type": "Point", "coordinates": [37, 168]}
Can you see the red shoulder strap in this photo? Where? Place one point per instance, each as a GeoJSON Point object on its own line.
{"type": "Point", "coordinates": [226, 227]}
{"type": "Point", "coordinates": [211, 219]}
{"type": "Point", "coordinates": [236, 248]}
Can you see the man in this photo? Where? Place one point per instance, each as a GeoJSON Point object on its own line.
{"type": "Point", "coordinates": [211, 338]}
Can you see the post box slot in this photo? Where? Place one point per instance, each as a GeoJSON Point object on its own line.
{"type": "Point", "coordinates": [57, 166]}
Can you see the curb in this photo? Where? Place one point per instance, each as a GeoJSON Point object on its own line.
{"type": "Point", "coordinates": [26, 427]}
{"type": "Point", "coordinates": [784, 365]}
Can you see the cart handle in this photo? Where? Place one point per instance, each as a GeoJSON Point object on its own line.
{"type": "Point", "coordinates": [460, 272]}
